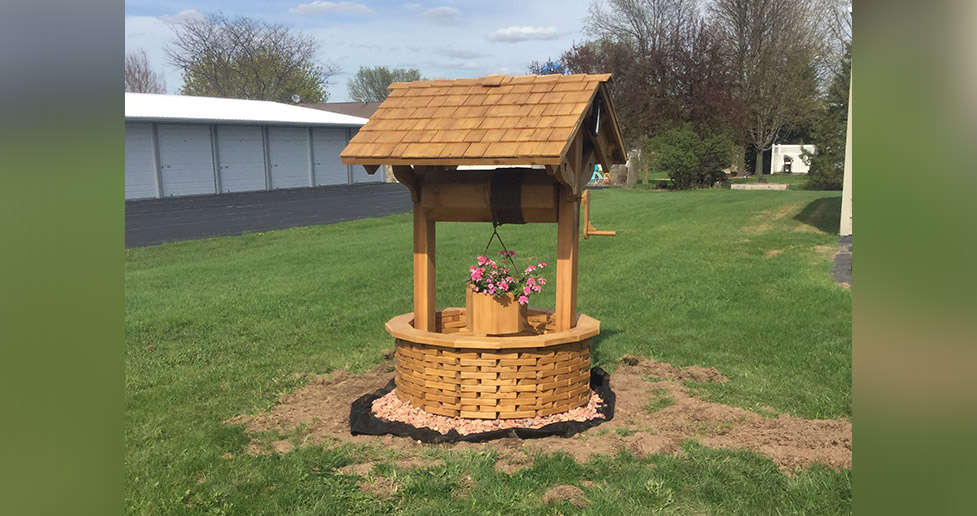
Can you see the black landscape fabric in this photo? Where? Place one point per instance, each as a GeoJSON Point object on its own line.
{"type": "Point", "coordinates": [363, 422]}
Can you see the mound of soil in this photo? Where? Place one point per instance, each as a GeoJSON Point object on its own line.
{"type": "Point", "coordinates": [322, 409]}
{"type": "Point", "coordinates": [572, 494]}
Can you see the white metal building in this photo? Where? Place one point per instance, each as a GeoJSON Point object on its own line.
{"type": "Point", "coordinates": [797, 165]}
{"type": "Point", "coordinates": [182, 145]}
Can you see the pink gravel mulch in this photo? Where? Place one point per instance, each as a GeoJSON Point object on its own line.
{"type": "Point", "coordinates": [391, 408]}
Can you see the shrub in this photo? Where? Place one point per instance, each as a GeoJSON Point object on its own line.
{"type": "Point", "coordinates": [827, 162]}
{"type": "Point", "coordinates": [692, 157]}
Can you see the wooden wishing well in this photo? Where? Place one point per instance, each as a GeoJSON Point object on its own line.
{"type": "Point", "coordinates": [457, 145]}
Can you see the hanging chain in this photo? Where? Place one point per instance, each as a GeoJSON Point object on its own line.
{"type": "Point", "coordinates": [496, 235]}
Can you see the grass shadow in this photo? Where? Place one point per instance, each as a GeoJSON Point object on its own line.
{"type": "Point", "coordinates": [595, 346]}
{"type": "Point", "coordinates": [823, 214]}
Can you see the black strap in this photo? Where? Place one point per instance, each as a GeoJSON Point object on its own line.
{"type": "Point", "coordinates": [505, 197]}
{"type": "Point", "coordinates": [505, 200]}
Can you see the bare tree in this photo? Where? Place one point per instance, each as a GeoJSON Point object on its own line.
{"type": "Point", "coordinates": [139, 78]}
{"type": "Point", "coordinates": [370, 84]}
{"type": "Point", "coordinates": [666, 61]}
{"type": "Point", "coordinates": [649, 24]}
{"type": "Point", "coordinates": [834, 17]}
{"type": "Point", "coordinates": [773, 47]}
{"type": "Point", "coordinates": [248, 59]}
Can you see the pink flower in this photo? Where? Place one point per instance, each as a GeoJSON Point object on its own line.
{"type": "Point", "coordinates": [523, 300]}
{"type": "Point", "coordinates": [503, 286]}
{"type": "Point", "coordinates": [542, 264]}
{"type": "Point", "coordinates": [542, 281]}
{"type": "Point", "coordinates": [482, 260]}
{"type": "Point", "coordinates": [530, 269]}
{"type": "Point", "coordinates": [536, 288]}
{"type": "Point", "coordinates": [527, 290]}
{"type": "Point", "coordinates": [531, 282]}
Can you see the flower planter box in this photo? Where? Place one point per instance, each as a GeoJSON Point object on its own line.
{"type": "Point", "coordinates": [490, 315]}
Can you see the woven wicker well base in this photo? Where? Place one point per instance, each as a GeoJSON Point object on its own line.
{"type": "Point", "coordinates": [452, 373]}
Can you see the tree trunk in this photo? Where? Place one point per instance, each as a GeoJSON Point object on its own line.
{"type": "Point", "coordinates": [758, 170]}
{"type": "Point", "coordinates": [741, 162]}
{"type": "Point", "coordinates": [644, 179]}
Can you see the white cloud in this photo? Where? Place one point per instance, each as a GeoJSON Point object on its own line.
{"type": "Point", "coordinates": [443, 15]}
{"type": "Point", "coordinates": [516, 34]}
{"type": "Point", "coordinates": [331, 7]}
{"type": "Point", "coordinates": [413, 7]}
{"type": "Point", "coordinates": [180, 17]}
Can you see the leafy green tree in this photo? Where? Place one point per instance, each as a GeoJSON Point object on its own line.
{"type": "Point", "coordinates": [370, 84]}
{"type": "Point", "coordinates": [692, 157]}
{"type": "Point", "coordinates": [827, 162]}
{"type": "Point", "coordinates": [248, 59]}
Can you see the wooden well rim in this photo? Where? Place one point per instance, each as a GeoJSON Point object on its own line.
{"type": "Point", "coordinates": [402, 327]}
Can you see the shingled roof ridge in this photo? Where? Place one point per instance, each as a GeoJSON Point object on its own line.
{"type": "Point", "coordinates": [497, 80]}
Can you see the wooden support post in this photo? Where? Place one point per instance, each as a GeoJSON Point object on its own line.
{"type": "Point", "coordinates": [424, 253]}
{"type": "Point", "coordinates": [568, 238]}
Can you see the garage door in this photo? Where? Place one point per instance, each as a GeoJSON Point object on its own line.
{"type": "Point", "coordinates": [140, 161]}
{"type": "Point", "coordinates": [288, 150]}
{"type": "Point", "coordinates": [241, 154]}
{"type": "Point", "coordinates": [186, 159]}
{"type": "Point", "coordinates": [327, 143]}
{"type": "Point", "coordinates": [359, 173]}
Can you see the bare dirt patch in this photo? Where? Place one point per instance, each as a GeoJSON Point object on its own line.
{"type": "Point", "coordinates": [381, 487]}
{"type": "Point", "coordinates": [363, 468]}
{"type": "Point", "coordinates": [572, 494]}
{"type": "Point", "coordinates": [761, 222]}
{"type": "Point", "coordinates": [774, 252]}
{"type": "Point", "coordinates": [781, 212]}
{"type": "Point", "coordinates": [321, 409]}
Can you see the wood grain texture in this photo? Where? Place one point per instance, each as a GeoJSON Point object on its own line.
{"type": "Point", "coordinates": [450, 331]}
{"type": "Point", "coordinates": [491, 384]}
{"type": "Point", "coordinates": [567, 249]}
{"type": "Point", "coordinates": [454, 197]}
{"type": "Point", "coordinates": [424, 260]}
{"type": "Point", "coordinates": [491, 315]}
{"type": "Point", "coordinates": [493, 120]}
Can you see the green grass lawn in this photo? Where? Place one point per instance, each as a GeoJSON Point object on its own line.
{"type": "Point", "coordinates": [735, 280]}
{"type": "Point", "coordinates": [795, 180]}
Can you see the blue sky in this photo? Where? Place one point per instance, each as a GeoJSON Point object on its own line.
{"type": "Point", "coordinates": [443, 39]}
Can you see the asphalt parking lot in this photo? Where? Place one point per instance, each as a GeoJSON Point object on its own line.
{"type": "Point", "coordinates": [156, 221]}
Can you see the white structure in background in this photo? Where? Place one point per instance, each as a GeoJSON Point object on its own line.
{"type": "Point", "coordinates": [182, 145]}
{"type": "Point", "coordinates": [845, 229]}
{"type": "Point", "coordinates": [797, 165]}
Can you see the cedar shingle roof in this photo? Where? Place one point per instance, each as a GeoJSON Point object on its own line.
{"type": "Point", "coordinates": [493, 120]}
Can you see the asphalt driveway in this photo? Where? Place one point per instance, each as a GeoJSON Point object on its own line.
{"type": "Point", "coordinates": [155, 221]}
